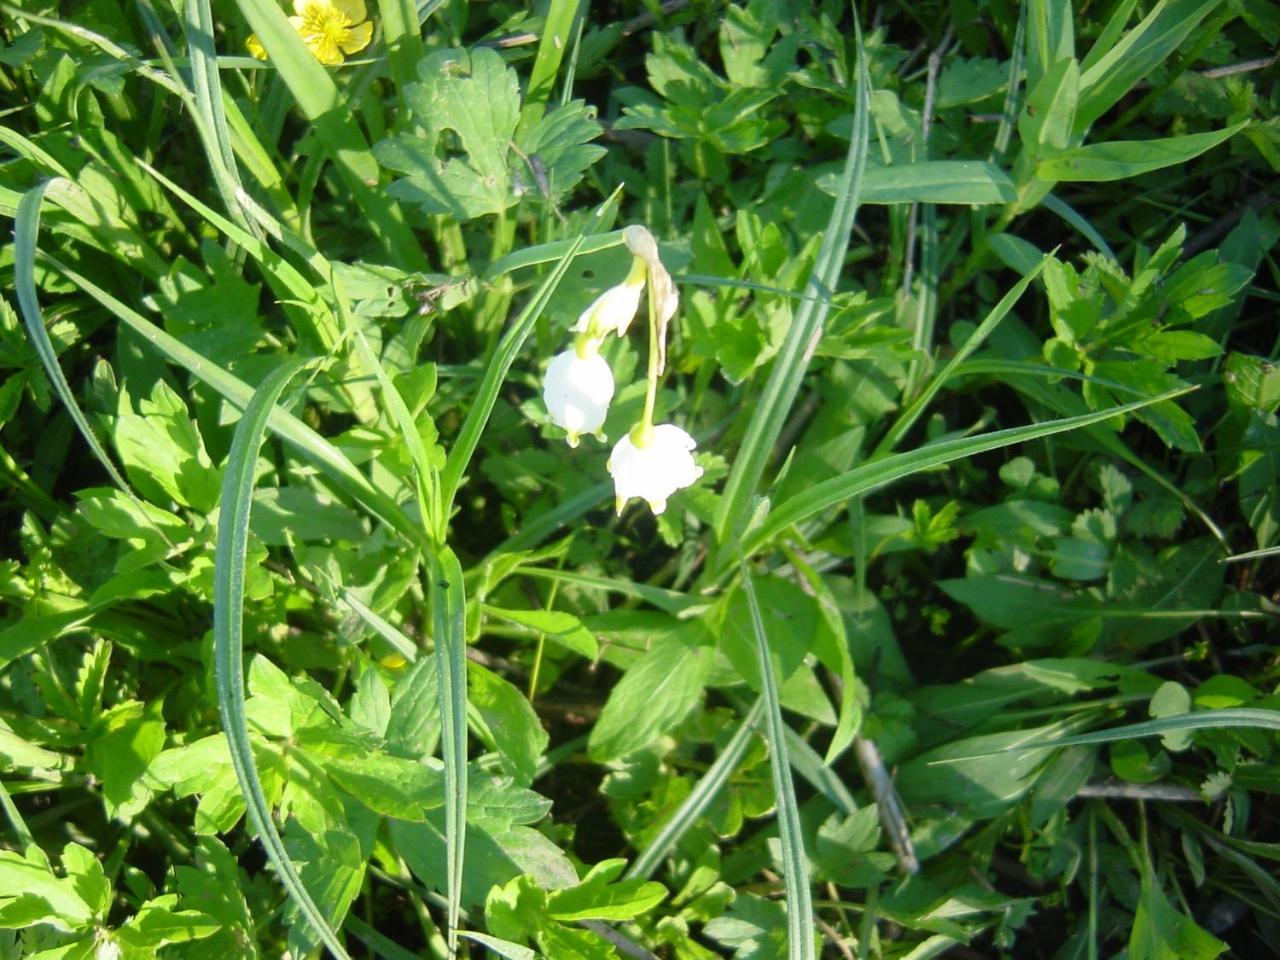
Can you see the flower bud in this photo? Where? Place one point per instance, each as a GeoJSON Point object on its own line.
{"type": "Point", "coordinates": [654, 466]}
{"type": "Point", "coordinates": [577, 391]}
{"type": "Point", "coordinates": [613, 310]}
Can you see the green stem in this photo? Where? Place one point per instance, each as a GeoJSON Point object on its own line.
{"type": "Point", "coordinates": [642, 432]}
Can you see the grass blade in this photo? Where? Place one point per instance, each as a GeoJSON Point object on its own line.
{"type": "Point", "coordinates": [26, 228]}
{"type": "Point", "coordinates": [770, 413]}
{"type": "Point", "coordinates": [699, 798]}
{"type": "Point", "coordinates": [909, 416]}
{"type": "Point", "coordinates": [1230, 717]}
{"type": "Point", "coordinates": [448, 619]}
{"type": "Point", "coordinates": [800, 929]}
{"type": "Point", "coordinates": [206, 88]}
{"type": "Point", "coordinates": [228, 637]}
{"type": "Point", "coordinates": [879, 472]}
{"type": "Point", "coordinates": [556, 28]}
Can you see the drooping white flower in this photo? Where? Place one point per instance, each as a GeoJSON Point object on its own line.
{"type": "Point", "coordinates": [655, 469]}
{"type": "Point", "coordinates": [613, 310]}
{"type": "Point", "coordinates": [577, 391]}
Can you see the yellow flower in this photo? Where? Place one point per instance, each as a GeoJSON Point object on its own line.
{"type": "Point", "coordinates": [329, 28]}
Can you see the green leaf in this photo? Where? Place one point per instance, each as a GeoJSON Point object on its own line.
{"type": "Point", "coordinates": [30, 877]}
{"type": "Point", "coordinates": [391, 786]}
{"type": "Point", "coordinates": [653, 696]}
{"type": "Point", "coordinates": [163, 452]}
{"type": "Point", "coordinates": [1112, 69]}
{"type": "Point", "coordinates": [767, 416]}
{"type": "Point", "coordinates": [556, 625]}
{"type": "Point", "coordinates": [972, 182]}
{"type": "Point", "coordinates": [1170, 700]}
{"type": "Point", "coordinates": [511, 727]}
{"type": "Point", "coordinates": [868, 476]}
{"type": "Point", "coordinates": [1162, 933]}
{"type": "Point", "coordinates": [157, 924]}
{"type": "Point", "coordinates": [599, 897]}
{"type": "Point", "coordinates": [477, 96]}
{"type": "Point", "coordinates": [1045, 122]}
{"type": "Point", "coordinates": [1252, 382]}
{"type": "Point", "coordinates": [1121, 159]}
{"type": "Point", "coordinates": [123, 743]}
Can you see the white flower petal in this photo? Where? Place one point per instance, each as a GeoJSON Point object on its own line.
{"type": "Point", "coordinates": [577, 391]}
{"type": "Point", "coordinates": [655, 471]}
{"type": "Point", "coordinates": [612, 311]}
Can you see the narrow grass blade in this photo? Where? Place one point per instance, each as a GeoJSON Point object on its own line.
{"type": "Point", "coordinates": [26, 228]}
{"type": "Point", "coordinates": [206, 88]}
{"type": "Point", "coordinates": [500, 363]}
{"type": "Point", "coordinates": [1054, 204]}
{"type": "Point", "coordinates": [800, 927]}
{"type": "Point", "coordinates": [1229, 718]}
{"type": "Point", "coordinates": [770, 411]}
{"type": "Point", "coordinates": [979, 336]}
{"type": "Point", "coordinates": [699, 798]}
{"type": "Point", "coordinates": [228, 637]}
{"type": "Point", "coordinates": [557, 27]}
{"type": "Point", "coordinates": [313, 447]}
{"type": "Point", "coordinates": [879, 472]}
{"type": "Point", "coordinates": [335, 126]}
{"type": "Point", "coordinates": [402, 35]}
{"type": "Point", "coordinates": [388, 631]}
{"type": "Point", "coordinates": [448, 619]}
{"type": "Point", "coordinates": [550, 253]}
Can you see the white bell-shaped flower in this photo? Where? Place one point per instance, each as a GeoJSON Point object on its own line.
{"type": "Point", "coordinates": [577, 391]}
{"type": "Point", "coordinates": [613, 310]}
{"type": "Point", "coordinates": [656, 470]}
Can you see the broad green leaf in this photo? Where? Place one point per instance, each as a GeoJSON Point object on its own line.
{"type": "Point", "coordinates": [602, 896]}
{"type": "Point", "coordinates": [1161, 932]}
{"type": "Point", "coordinates": [1121, 159]}
{"type": "Point", "coordinates": [391, 786]}
{"type": "Point", "coordinates": [32, 877]}
{"type": "Point", "coordinates": [475, 95]}
{"type": "Point", "coordinates": [123, 743]}
{"type": "Point", "coordinates": [157, 924]}
{"type": "Point", "coordinates": [511, 727]}
{"type": "Point", "coordinates": [163, 451]}
{"type": "Point", "coordinates": [1252, 382]}
{"type": "Point", "coordinates": [653, 696]}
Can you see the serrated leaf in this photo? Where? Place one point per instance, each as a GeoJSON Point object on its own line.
{"type": "Point", "coordinates": [601, 896]}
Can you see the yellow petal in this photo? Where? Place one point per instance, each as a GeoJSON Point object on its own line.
{"type": "Point", "coordinates": [358, 38]}
{"type": "Point", "coordinates": [300, 8]}
{"type": "Point", "coordinates": [255, 47]}
{"type": "Point", "coordinates": [298, 24]}
{"type": "Point", "coordinates": [353, 9]}
{"type": "Point", "coordinates": [325, 50]}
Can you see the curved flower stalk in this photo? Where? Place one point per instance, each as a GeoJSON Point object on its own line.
{"type": "Point", "coordinates": [331, 29]}
{"type": "Point", "coordinates": [653, 466]}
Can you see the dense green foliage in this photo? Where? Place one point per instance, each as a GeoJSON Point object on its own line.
{"type": "Point", "coordinates": [318, 636]}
